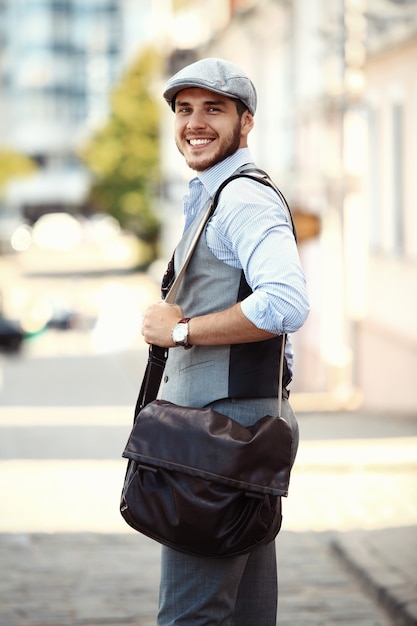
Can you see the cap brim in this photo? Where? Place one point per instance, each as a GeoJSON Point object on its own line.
{"type": "Point", "coordinates": [171, 93]}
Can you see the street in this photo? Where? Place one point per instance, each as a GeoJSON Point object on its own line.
{"type": "Point", "coordinates": [68, 558]}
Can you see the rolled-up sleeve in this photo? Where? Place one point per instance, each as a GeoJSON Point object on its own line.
{"type": "Point", "coordinates": [251, 230]}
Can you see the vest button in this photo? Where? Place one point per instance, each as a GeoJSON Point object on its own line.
{"type": "Point", "coordinates": [165, 379]}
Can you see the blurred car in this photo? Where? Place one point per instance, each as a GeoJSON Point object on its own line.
{"type": "Point", "coordinates": [62, 316]}
{"type": "Point", "coordinates": [45, 313]}
{"type": "Point", "coordinates": [15, 234]}
{"type": "Point", "coordinates": [57, 231]}
{"type": "Point", "coordinates": [11, 335]}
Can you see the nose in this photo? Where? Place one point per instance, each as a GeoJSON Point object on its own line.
{"type": "Point", "coordinates": [196, 120]}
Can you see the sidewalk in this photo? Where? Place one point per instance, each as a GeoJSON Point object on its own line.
{"type": "Point", "coordinates": [93, 579]}
{"type": "Point", "coordinates": [346, 554]}
{"type": "Point", "coordinates": [382, 559]}
{"type": "Point", "coordinates": [385, 563]}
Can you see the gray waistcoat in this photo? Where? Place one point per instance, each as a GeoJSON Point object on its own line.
{"type": "Point", "coordinates": [204, 374]}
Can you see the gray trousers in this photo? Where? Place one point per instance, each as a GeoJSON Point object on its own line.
{"type": "Point", "coordinates": [232, 591]}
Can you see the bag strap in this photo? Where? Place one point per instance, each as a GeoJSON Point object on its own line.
{"type": "Point", "coordinates": [172, 293]}
{"type": "Point", "coordinates": [251, 171]}
{"type": "Point", "coordinates": [245, 171]}
{"type": "Point", "coordinates": [157, 356]}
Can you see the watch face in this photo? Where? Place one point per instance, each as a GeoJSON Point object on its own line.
{"type": "Point", "coordinates": [179, 333]}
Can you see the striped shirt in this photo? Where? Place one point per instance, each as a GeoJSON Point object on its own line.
{"type": "Point", "coordinates": [250, 230]}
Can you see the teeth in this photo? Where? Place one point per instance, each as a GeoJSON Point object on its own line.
{"type": "Point", "coordinates": [199, 142]}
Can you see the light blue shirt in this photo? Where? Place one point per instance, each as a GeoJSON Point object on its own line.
{"type": "Point", "coordinates": [250, 230]}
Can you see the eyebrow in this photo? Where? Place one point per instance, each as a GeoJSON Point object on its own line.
{"type": "Point", "coordinates": [182, 103]}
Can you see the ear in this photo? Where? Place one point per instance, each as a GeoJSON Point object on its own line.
{"type": "Point", "coordinates": [247, 123]}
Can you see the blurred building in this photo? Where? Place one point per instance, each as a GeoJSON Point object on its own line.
{"type": "Point", "coordinates": [58, 62]}
{"type": "Point", "coordinates": [336, 127]}
{"type": "Point", "coordinates": [385, 328]}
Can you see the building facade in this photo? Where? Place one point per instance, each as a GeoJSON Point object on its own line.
{"type": "Point", "coordinates": [386, 334]}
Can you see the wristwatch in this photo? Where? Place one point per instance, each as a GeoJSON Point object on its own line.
{"type": "Point", "coordinates": [180, 333]}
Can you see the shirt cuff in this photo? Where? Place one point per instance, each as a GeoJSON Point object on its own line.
{"type": "Point", "coordinates": [258, 309]}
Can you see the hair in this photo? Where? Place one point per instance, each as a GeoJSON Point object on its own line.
{"type": "Point", "coordinates": [241, 108]}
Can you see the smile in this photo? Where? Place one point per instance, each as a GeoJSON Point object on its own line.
{"type": "Point", "coordinates": [199, 142]}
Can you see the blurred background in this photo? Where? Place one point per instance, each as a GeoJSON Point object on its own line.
{"type": "Point", "coordinates": [91, 182]}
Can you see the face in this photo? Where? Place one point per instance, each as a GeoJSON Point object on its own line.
{"type": "Point", "coordinates": [208, 127]}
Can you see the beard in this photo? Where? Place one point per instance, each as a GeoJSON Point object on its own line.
{"type": "Point", "coordinates": [227, 145]}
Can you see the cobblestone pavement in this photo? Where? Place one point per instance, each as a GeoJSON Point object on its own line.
{"type": "Point", "coordinates": [96, 579]}
{"type": "Point", "coordinates": [385, 564]}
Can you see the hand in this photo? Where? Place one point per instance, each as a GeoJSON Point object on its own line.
{"type": "Point", "coordinates": [158, 321]}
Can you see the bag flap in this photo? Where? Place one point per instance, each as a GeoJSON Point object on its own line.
{"type": "Point", "coordinates": [205, 443]}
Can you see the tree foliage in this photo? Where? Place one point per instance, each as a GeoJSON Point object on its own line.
{"type": "Point", "coordinates": [14, 164]}
{"type": "Point", "coordinates": [124, 154]}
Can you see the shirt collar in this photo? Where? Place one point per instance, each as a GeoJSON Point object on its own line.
{"type": "Point", "coordinates": [212, 178]}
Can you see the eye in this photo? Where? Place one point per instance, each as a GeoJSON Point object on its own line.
{"type": "Point", "coordinates": [183, 110]}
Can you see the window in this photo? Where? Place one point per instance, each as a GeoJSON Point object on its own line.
{"type": "Point", "coordinates": [374, 169]}
{"type": "Point", "coordinates": [397, 169]}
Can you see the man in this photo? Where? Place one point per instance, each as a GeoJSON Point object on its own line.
{"type": "Point", "coordinates": [243, 289]}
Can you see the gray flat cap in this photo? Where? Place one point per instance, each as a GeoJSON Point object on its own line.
{"type": "Point", "coordinates": [215, 75]}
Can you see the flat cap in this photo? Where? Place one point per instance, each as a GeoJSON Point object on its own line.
{"type": "Point", "coordinates": [215, 75]}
